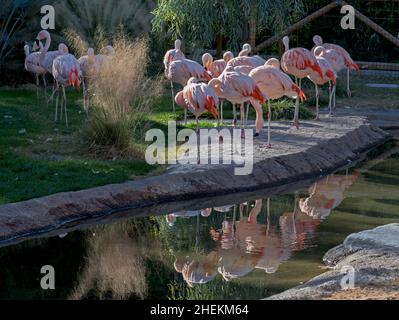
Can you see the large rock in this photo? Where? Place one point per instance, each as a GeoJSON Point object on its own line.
{"type": "Point", "coordinates": [373, 254]}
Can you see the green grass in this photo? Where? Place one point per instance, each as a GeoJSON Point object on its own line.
{"type": "Point", "coordinates": [39, 157]}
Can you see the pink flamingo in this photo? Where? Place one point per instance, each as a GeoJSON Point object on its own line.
{"type": "Point", "coordinates": [66, 72]}
{"type": "Point", "coordinates": [247, 50]}
{"type": "Point", "coordinates": [216, 68]}
{"type": "Point", "coordinates": [328, 76]}
{"type": "Point", "coordinates": [198, 98]}
{"type": "Point", "coordinates": [170, 56]}
{"type": "Point", "coordinates": [90, 64]}
{"type": "Point", "coordinates": [299, 62]}
{"type": "Point", "coordinates": [274, 84]}
{"type": "Point", "coordinates": [349, 63]}
{"type": "Point", "coordinates": [336, 61]}
{"type": "Point", "coordinates": [238, 89]}
{"type": "Point", "coordinates": [32, 65]}
{"type": "Point", "coordinates": [47, 57]}
{"type": "Point", "coordinates": [180, 71]}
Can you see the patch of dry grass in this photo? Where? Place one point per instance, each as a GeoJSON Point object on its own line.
{"type": "Point", "coordinates": [114, 267]}
{"type": "Point", "coordinates": [121, 97]}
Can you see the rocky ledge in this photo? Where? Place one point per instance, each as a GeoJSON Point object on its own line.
{"type": "Point", "coordinates": [317, 149]}
{"type": "Point", "coordinates": [372, 257]}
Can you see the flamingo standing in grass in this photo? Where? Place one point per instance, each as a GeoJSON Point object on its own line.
{"type": "Point", "coordinates": [299, 62]}
{"type": "Point", "coordinates": [238, 89]}
{"type": "Point", "coordinates": [329, 75]}
{"type": "Point", "coordinates": [170, 56]}
{"type": "Point", "coordinates": [349, 63]}
{"type": "Point", "coordinates": [66, 72]}
{"type": "Point", "coordinates": [198, 98]}
{"type": "Point", "coordinates": [32, 65]}
{"type": "Point", "coordinates": [274, 84]}
{"type": "Point", "coordinates": [91, 64]}
{"type": "Point", "coordinates": [180, 71]}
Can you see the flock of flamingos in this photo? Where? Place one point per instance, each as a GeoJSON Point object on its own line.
{"type": "Point", "coordinates": [240, 80]}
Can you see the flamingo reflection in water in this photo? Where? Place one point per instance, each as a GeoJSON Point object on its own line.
{"type": "Point", "coordinates": [171, 218]}
{"type": "Point", "coordinates": [326, 195]}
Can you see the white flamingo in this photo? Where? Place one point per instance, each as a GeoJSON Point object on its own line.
{"type": "Point", "coordinates": [32, 65]}
{"type": "Point", "coordinates": [66, 72]}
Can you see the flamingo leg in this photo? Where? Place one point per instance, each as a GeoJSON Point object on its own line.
{"type": "Point", "coordinates": [348, 90]}
{"type": "Point", "coordinates": [296, 115]}
{"type": "Point", "coordinates": [56, 104]}
{"type": "Point", "coordinates": [334, 95]}
{"type": "Point", "coordinates": [317, 101]}
{"type": "Point", "coordinates": [234, 115]}
{"type": "Point", "coordinates": [173, 96]}
{"type": "Point", "coordinates": [259, 117]}
{"type": "Point", "coordinates": [65, 102]}
{"type": "Point", "coordinates": [86, 98]}
{"type": "Point", "coordinates": [45, 86]}
{"type": "Point", "coordinates": [247, 114]}
{"type": "Point", "coordinates": [37, 85]}
{"type": "Point", "coordinates": [242, 115]}
{"type": "Point", "coordinates": [221, 112]}
{"type": "Point", "coordinates": [185, 116]}
{"type": "Point", "coordinates": [269, 121]}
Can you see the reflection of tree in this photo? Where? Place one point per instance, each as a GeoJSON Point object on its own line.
{"type": "Point", "coordinates": [114, 266]}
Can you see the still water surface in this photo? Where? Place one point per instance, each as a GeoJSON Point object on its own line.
{"type": "Point", "coordinates": [246, 250]}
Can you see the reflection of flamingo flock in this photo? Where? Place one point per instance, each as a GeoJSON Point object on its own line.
{"type": "Point", "coordinates": [240, 80]}
{"type": "Point", "coordinates": [244, 244]}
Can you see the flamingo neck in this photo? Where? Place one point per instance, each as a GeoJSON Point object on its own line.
{"type": "Point", "coordinates": [26, 49]}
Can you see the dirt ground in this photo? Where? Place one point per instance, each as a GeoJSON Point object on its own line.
{"type": "Point", "coordinates": [386, 291]}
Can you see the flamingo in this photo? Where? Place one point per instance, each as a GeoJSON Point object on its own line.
{"type": "Point", "coordinates": [349, 63]}
{"type": "Point", "coordinates": [198, 98]}
{"type": "Point", "coordinates": [47, 57]}
{"type": "Point", "coordinates": [180, 71]}
{"type": "Point", "coordinates": [32, 65]}
{"type": "Point", "coordinates": [170, 56]}
{"type": "Point", "coordinates": [66, 72]}
{"type": "Point", "coordinates": [299, 62]}
{"type": "Point", "coordinates": [247, 50]}
{"type": "Point", "coordinates": [329, 75]}
{"type": "Point", "coordinates": [274, 84]}
{"type": "Point", "coordinates": [90, 64]}
{"type": "Point", "coordinates": [238, 89]}
{"type": "Point", "coordinates": [216, 68]}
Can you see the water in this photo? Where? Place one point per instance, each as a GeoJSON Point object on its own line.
{"type": "Point", "coordinates": [248, 250]}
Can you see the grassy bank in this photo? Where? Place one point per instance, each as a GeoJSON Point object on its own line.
{"type": "Point", "coordinates": [39, 157]}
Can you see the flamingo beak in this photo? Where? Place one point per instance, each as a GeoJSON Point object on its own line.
{"type": "Point", "coordinates": [36, 45]}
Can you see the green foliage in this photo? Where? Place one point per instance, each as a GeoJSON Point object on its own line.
{"type": "Point", "coordinates": [17, 23]}
{"type": "Point", "coordinates": [86, 16]}
{"type": "Point", "coordinates": [198, 21]}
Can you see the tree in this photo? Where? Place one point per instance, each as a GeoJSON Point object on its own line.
{"type": "Point", "coordinates": [202, 22]}
{"type": "Point", "coordinates": [15, 23]}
